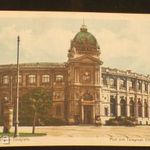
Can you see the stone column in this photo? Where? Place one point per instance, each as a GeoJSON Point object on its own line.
{"type": "Point", "coordinates": [77, 72]}
{"type": "Point", "coordinates": [93, 114]}
{"type": "Point", "coordinates": [136, 106]}
{"type": "Point", "coordinates": [82, 114]}
{"type": "Point", "coordinates": [118, 98]}
{"type": "Point", "coordinates": [75, 75]}
{"type": "Point", "coordinates": [38, 79]}
{"type": "Point", "coordinates": [118, 104]}
{"type": "Point", "coordinates": [127, 85]}
{"type": "Point", "coordinates": [143, 110]}
{"type": "Point", "coordinates": [128, 110]}
{"type": "Point", "coordinates": [148, 107]}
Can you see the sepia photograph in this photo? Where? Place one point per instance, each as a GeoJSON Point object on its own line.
{"type": "Point", "coordinates": [74, 79]}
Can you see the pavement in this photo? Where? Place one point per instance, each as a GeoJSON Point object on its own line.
{"type": "Point", "coordinates": [82, 135]}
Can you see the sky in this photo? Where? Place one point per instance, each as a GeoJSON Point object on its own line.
{"type": "Point", "coordinates": [124, 39]}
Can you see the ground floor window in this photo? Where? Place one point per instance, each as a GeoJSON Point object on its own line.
{"type": "Point", "coordinates": [123, 107]}
{"type": "Point", "coordinates": [146, 109]}
{"type": "Point", "coordinates": [112, 106]}
{"type": "Point", "coordinates": [139, 109]}
{"type": "Point", "coordinates": [132, 108]}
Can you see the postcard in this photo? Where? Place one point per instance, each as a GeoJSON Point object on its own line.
{"type": "Point", "coordinates": [72, 78]}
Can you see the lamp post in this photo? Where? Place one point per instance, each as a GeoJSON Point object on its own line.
{"type": "Point", "coordinates": [17, 91]}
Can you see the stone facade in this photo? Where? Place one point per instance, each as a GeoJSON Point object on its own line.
{"type": "Point", "coordinates": [81, 88]}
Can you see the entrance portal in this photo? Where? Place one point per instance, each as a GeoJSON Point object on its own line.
{"type": "Point", "coordinates": [88, 113]}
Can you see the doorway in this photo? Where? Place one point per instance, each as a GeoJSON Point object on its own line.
{"type": "Point", "coordinates": [88, 113]}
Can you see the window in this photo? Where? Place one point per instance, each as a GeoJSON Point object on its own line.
{"type": "Point", "coordinates": [131, 84]}
{"type": "Point", "coordinates": [86, 76]}
{"type": "Point", "coordinates": [122, 83]}
{"type": "Point", "coordinates": [112, 82]}
{"type": "Point", "coordinates": [123, 107]}
{"type": "Point", "coordinates": [87, 96]}
{"type": "Point", "coordinates": [5, 79]}
{"type": "Point", "coordinates": [132, 107]}
{"type": "Point", "coordinates": [32, 79]}
{"type": "Point", "coordinates": [104, 79]}
{"type": "Point", "coordinates": [139, 85]}
{"type": "Point", "coordinates": [139, 109]}
{"type": "Point", "coordinates": [106, 111]}
{"type": "Point", "coordinates": [45, 78]}
{"type": "Point", "coordinates": [146, 109]}
{"type": "Point", "coordinates": [145, 87]}
{"type": "Point", "coordinates": [59, 78]}
{"type": "Point", "coordinates": [112, 106]}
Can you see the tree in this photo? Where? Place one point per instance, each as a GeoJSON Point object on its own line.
{"type": "Point", "coordinates": [35, 107]}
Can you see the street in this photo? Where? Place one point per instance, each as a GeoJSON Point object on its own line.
{"type": "Point", "coordinates": [85, 135]}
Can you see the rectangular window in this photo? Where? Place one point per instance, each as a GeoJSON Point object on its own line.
{"type": "Point", "coordinates": [32, 79]}
{"type": "Point", "coordinates": [106, 111]}
{"type": "Point", "coordinates": [45, 78]}
{"type": "Point", "coordinates": [5, 79]}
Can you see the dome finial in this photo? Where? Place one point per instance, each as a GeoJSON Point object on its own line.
{"type": "Point", "coordinates": [83, 27]}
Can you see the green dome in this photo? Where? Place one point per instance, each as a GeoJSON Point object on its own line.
{"type": "Point", "coordinates": [84, 40]}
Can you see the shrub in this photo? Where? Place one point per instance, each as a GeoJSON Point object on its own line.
{"type": "Point", "coordinates": [127, 121]}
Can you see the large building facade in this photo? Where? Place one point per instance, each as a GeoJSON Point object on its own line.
{"type": "Point", "coordinates": [81, 88]}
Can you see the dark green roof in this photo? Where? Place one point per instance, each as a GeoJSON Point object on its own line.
{"type": "Point", "coordinates": [84, 39]}
{"type": "Point", "coordinates": [83, 36]}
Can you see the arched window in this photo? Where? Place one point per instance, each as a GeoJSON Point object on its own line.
{"type": "Point", "coordinates": [146, 109]}
{"type": "Point", "coordinates": [139, 109]}
{"type": "Point", "coordinates": [59, 78]}
{"type": "Point", "coordinates": [123, 107]}
{"type": "Point", "coordinates": [112, 106]}
{"type": "Point", "coordinates": [87, 96]}
{"type": "Point", "coordinates": [132, 107]}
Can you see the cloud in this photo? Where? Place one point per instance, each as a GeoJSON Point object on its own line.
{"type": "Point", "coordinates": [50, 45]}
{"type": "Point", "coordinates": [127, 48]}
{"type": "Point", "coordinates": [124, 43]}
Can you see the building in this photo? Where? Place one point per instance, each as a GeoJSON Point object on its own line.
{"type": "Point", "coordinates": [81, 88]}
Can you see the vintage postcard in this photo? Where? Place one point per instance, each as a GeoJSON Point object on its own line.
{"type": "Point", "coordinates": [70, 78]}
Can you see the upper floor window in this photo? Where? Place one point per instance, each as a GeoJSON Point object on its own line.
{"type": "Point", "coordinates": [32, 78]}
{"type": "Point", "coordinates": [59, 78]}
{"type": "Point", "coordinates": [5, 79]}
{"type": "Point", "coordinates": [139, 85]}
{"type": "Point", "coordinates": [112, 82]}
{"type": "Point", "coordinates": [131, 84]}
{"type": "Point", "coordinates": [122, 83]}
{"type": "Point", "coordinates": [45, 78]}
{"type": "Point", "coordinates": [145, 86]}
{"type": "Point", "coordinates": [104, 80]}
{"type": "Point", "coordinates": [86, 76]}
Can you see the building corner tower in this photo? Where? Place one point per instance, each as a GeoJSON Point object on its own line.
{"type": "Point", "coordinates": [84, 79]}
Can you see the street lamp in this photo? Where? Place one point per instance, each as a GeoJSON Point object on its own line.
{"type": "Point", "coordinates": [17, 91]}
